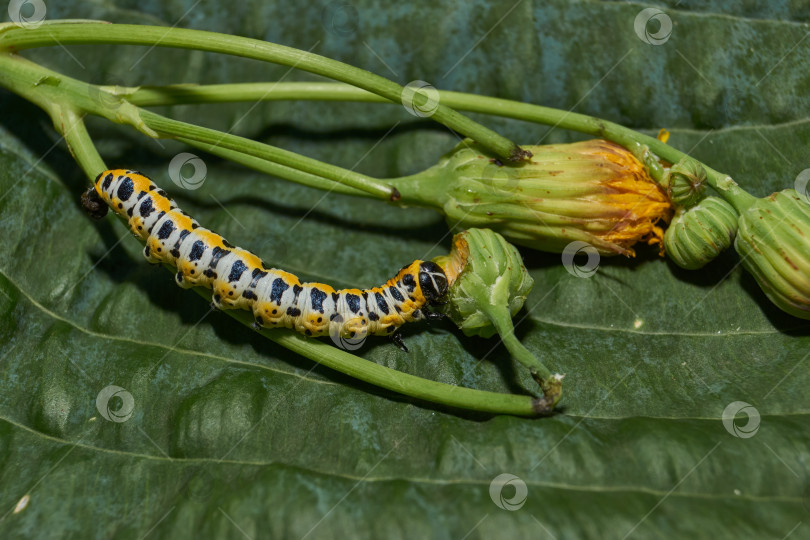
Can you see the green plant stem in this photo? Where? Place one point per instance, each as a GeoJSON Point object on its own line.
{"type": "Point", "coordinates": [14, 39]}
{"type": "Point", "coordinates": [390, 379]}
{"type": "Point", "coordinates": [55, 92]}
{"type": "Point", "coordinates": [68, 120]}
{"type": "Point", "coordinates": [182, 94]}
{"type": "Point", "coordinates": [212, 137]}
{"type": "Point", "coordinates": [633, 140]}
{"type": "Point", "coordinates": [275, 169]}
{"type": "Point", "coordinates": [80, 145]}
{"type": "Point", "coordinates": [502, 321]}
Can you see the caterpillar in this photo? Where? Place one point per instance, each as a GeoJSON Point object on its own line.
{"type": "Point", "coordinates": [241, 280]}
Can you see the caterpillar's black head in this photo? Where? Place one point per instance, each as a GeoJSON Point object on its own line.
{"type": "Point", "coordinates": [93, 205]}
{"type": "Point", "coordinates": [432, 281]}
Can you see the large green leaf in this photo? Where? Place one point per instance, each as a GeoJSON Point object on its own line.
{"type": "Point", "coordinates": [232, 436]}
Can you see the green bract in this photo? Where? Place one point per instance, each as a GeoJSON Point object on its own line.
{"type": "Point", "coordinates": [699, 234]}
{"type": "Point", "coordinates": [687, 183]}
{"type": "Point", "coordinates": [774, 243]}
{"type": "Point", "coordinates": [488, 286]}
{"type": "Point", "coordinates": [592, 191]}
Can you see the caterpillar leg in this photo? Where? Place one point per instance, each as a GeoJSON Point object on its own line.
{"type": "Point", "coordinates": [313, 324]}
{"type": "Point", "coordinates": [396, 337]}
{"type": "Point", "coordinates": [433, 315]}
{"type": "Point", "coordinates": [349, 335]}
{"type": "Point", "coordinates": [354, 328]}
{"type": "Point", "coordinates": [267, 314]}
{"type": "Point", "coordinates": [261, 323]}
{"type": "Point", "coordinates": [149, 255]}
{"type": "Point", "coordinates": [216, 302]}
{"type": "Point", "coordinates": [182, 281]}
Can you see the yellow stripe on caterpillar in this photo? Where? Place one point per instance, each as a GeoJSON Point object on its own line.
{"type": "Point", "coordinates": [240, 280]}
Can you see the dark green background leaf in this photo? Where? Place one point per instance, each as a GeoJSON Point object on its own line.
{"type": "Point", "coordinates": [232, 436]}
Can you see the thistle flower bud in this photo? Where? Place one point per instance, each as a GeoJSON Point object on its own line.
{"type": "Point", "coordinates": [488, 286]}
{"type": "Point", "coordinates": [686, 183]}
{"type": "Point", "coordinates": [699, 234]}
{"type": "Point", "coordinates": [774, 243]}
{"type": "Point", "coordinates": [593, 191]}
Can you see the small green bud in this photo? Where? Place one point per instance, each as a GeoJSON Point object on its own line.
{"type": "Point", "coordinates": [493, 275]}
{"type": "Point", "coordinates": [687, 183]}
{"type": "Point", "coordinates": [774, 243]}
{"type": "Point", "coordinates": [699, 234]}
{"type": "Point", "coordinates": [488, 286]}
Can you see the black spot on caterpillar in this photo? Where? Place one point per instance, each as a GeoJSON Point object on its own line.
{"type": "Point", "coordinates": [240, 280]}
